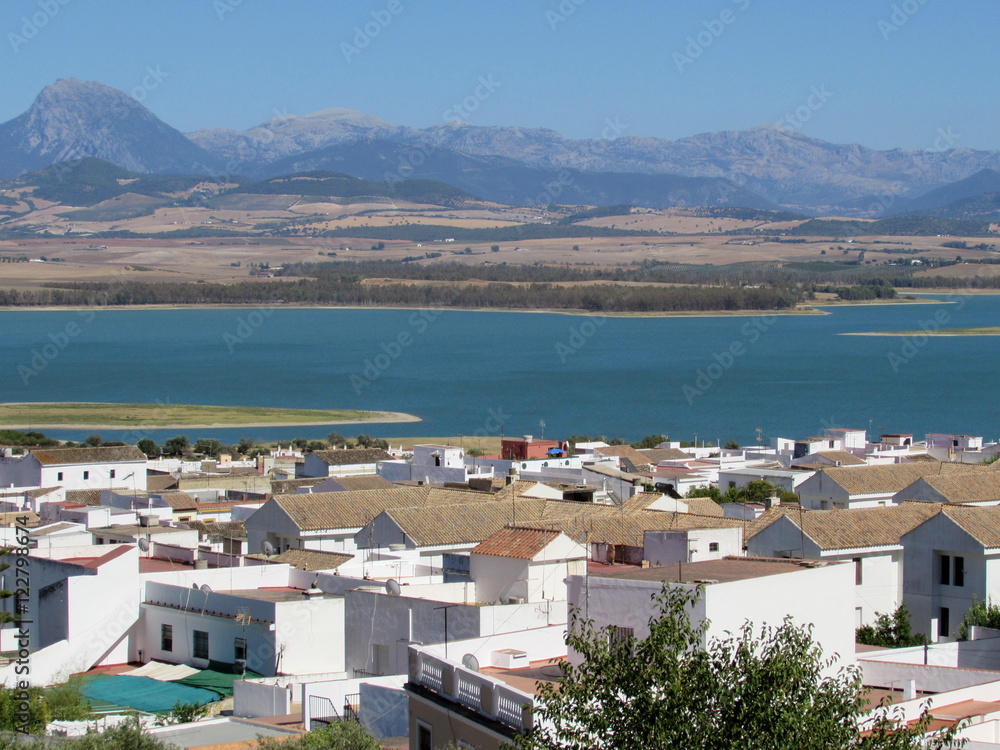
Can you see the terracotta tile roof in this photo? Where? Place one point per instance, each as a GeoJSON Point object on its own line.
{"type": "Point", "coordinates": [521, 542]}
{"type": "Point", "coordinates": [851, 528]}
{"type": "Point", "coordinates": [307, 559]}
{"type": "Point", "coordinates": [704, 506]}
{"type": "Point", "coordinates": [981, 522]}
{"type": "Point", "coordinates": [353, 509]}
{"type": "Point", "coordinates": [14, 518]}
{"type": "Point", "coordinates": [655, 455]}
{"type": "Point", "coordinates": [890, 478]}
{"type": "Point", "coordinates": [432, 526]}
{"type": "Point", "coordinates": [982, 486]}
{"type": "Point", "coordinates": [726, 570]}
{"type": "Point", "coordinates": [229, 529]}
{"type": "Point", "coordinates": [364, 482]}
{"type": "Point", "coordinates": [160, 482]}
{"type": "Point", "coordinates": [352, 456]}
{"type": "Point", "coordinates": [180, 500]}
{"type": "Point", "coordinates": [844, 457]}
{"type": "Point", "coordinates": [109, 454]}
{"type": "Point", "coordinates": [85, 497]}
{"type": "Point", "coordinates": [53, 528]}
{"type": "Point", "coordinates": [625, 451]}
{"type": "Point", "coordinates": [627, 529]}
{"type": "Point", "coordinates": [288, 486]}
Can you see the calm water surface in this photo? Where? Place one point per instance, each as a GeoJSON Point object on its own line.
{"type": "Point", "coordinates": [465, 372]}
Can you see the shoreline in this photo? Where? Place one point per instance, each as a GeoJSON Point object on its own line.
{"type": "Point", "coordinates": [377, 417]}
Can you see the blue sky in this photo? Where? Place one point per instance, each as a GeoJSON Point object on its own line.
{"type": "Point", "coordinates": [882, 74]}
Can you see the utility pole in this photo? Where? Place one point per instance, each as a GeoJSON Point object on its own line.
{"type": "Point", "coordinates": [446, 607]}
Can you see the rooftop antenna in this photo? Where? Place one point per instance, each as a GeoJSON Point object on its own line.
{"type": "Point", "coordinates": [266, 548]}
{"type": "Point", "coordinates": [392, 587]}
{"type": "Point", "coordinates": [243, 618]}
{"type": "Point", "coordinates": [470, 662]}
{"type": "Point", "coordinates": [541, 424]}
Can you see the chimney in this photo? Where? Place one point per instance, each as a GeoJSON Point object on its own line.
{"type": "Point", "coordinates": [528, 438]}
{"type": "Point", "coordinates": [909, 690]}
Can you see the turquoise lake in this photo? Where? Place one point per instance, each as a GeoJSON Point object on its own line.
{"type": "Point", "coordinates": [466, 372]}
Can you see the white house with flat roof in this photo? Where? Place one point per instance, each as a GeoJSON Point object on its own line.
{"type": "Point", "coordinates": [733, 591]}
{"type": "Point", "coordinates": [433, 464]}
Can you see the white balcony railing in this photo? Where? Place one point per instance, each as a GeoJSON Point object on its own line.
{"type": "Point", "coordinates": [484, 695]}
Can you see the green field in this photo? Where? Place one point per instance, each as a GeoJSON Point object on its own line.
{"type": "Point", "coordinates": [70, 415]}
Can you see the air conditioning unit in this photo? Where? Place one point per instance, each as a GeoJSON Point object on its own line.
{"type": "Point", "coordinates": [509, 658]}
{"type": "Point", "coordinates": [515, 600]}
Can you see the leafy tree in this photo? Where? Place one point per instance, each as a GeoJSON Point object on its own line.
{"type": "Point", "coordinates": [147, 446]}
{"type": "Point", "coordinates": [756, 688]}
{"type": "Point", "coordinates": [176, 446]}
{"type": "Point", "coordinates": [129, 735]}
{"type": "Point", "coordinates": [207, 446]}
{"type": "Point", "coordinates": [367, 441]}
{"type": "Point", "coordinates": [475, 452]}
{"type": "Point", "coordinates": [983, 614]}
{"type": "Point", "coordinates": [650, 441]}
{"type": "Point", "coordinates": [182, 713]}
{"type": "Point", "coordinates": [335, 439]}
{"type": "Point", "coordinates": [94, 440]}
{"type": "Point", "coordinates": [732, 445]}
{"type": "Point", "coordinates": [890, 631]}
{"type": "Point", "coordinates": [245, 446]}
{"type": "Point", "coordinates": [340, 735]}
{"type": "Point", "coordinates": [300, 443]}
{"type": "Point", "coordinates": [316, 445]}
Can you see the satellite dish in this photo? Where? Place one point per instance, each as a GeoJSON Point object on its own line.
{"type": "Point", "coordinates": [206, 589]}
{"type": "Point", "coordinates": [470, 662]}
{"type": "Point", "coordinates": [392, 587]}
{"type": "Point", "coordinates": [144, 544]}
{"type": "Point", "coordinates": [267, 548]}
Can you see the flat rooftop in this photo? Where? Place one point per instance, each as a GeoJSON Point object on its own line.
{"type": "Point", "coordinates": [278, 594]}
{"type": "Point", "coordinates": [527, 679]}
{"type": "Point", "coordinates": [224, 731]}
{"type": "Point", "coordinates": [726, 570]}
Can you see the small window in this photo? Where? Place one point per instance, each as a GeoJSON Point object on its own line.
{"type": "Point", "coordinates": [59, 476]}
{"type": "Point", "coordinates": [713, 546]}
{"type": "Point", "coordinates": [200, 644]}
{"type": "Point", "coordinates": [240, 649]}
{"type": "Point", "coordinates": [425, 737]}
{"type": "Point", "coordinates": [858, 577]}
{"type": "Point", "coordinates": [945, 562]}
{"type": "Point", "coordinates": [959, 571]}
{"type": "Point", "coordinates": [166, 637]}
{"type": "Point", "coordinates": [622, 638]}
{"type": "Point", "coordinates": [86, 475]}
{"type": "Point", "coordinates": [111, 473]}
{"type": "Point", "coordinates": [943, 625]}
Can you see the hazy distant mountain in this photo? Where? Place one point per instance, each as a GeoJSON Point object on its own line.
{"type": "Point", "coordinates": [508, 181]}
{"type": "Point", "coordinates": [71, 119]}
{"type": "Point", "coordinates": [763, 166]}
{"type": "Point", "coordinates": [985, 181]}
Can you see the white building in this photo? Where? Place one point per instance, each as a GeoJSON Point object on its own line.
{"type": "Point", "coordinates": [76, 468]}
{"type": "Point", "coordinates": [734, 591]}
{"type": "Point", "coordinates": [341, 463]}
{"type": "Point", "coordinates": [868, 486]}
{"type": "Point", "coordinates": [433, 464]}
{"type": "Point", "coordinates": [521, 564]}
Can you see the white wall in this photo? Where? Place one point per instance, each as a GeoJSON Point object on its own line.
{"type": "Point", "coordinates": [671, 547]}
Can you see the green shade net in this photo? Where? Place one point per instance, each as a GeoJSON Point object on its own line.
{"type": "Point", "coordinates": [145, 693]}
{"type": "Point", "coordinates": [219, 677]}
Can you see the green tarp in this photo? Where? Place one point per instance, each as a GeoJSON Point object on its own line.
{"type": "Point", "coordinates": [219, 677]}
{"type": "Point", "coordinates": [145, 693]}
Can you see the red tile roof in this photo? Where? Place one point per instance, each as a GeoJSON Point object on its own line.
{"type": "Point", "coordinates": [521, 542]}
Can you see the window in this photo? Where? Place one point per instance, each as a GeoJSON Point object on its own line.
{"type": "Point", "coordinates": [945, 562]}
{"type": "Point", "coordinates": [59, 476]}
{"type": "Point", "coordinates": [425, 737]}
{"type": "Point", "coordinates": [200, 644]}
{"type": "Point", "coordinates": [943, 624]}
{"type": "Point", "coordinates": [622, 638]}
{"type": "Point", "coordinates": [858, 577]}
{"type": "Point", "coordinates": [713, 546]}
{"type": "Point", "coordinates": [111, 473]}
{"type": "Point", "coordinates": [166, 638]}
{"type": "Point", "coordinates": [240, 649]}
{"type": "Point", "coordinates": [86, 475]}
{"type": "Point", "coordinates": [958, 579]}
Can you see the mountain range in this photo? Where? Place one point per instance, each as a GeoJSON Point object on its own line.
{"type": "Point", "coordinates": [762, 167]}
